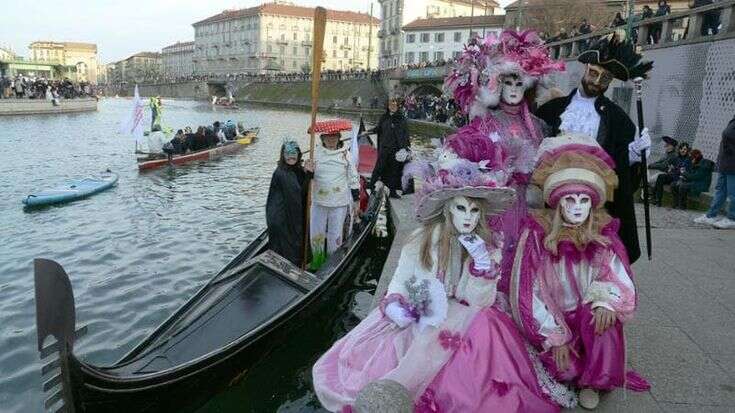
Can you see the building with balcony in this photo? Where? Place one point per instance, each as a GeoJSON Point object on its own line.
{"type": "Point", "coordinates": [398, 13]}
{"type": "Point", "coordinates": [82, 57]}
{"type": "Point", "coordinates": [177, 60]}
{"type": "Point", "coordinates": [6, 54]}
{"type": "Point", "coordinates": [138, 68]}
{"type": "Point", "coordinates": [440, 39]}
{"type": "Point", "coordinates": [277, 37]}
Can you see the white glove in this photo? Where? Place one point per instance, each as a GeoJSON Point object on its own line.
{"type": "Point", "coordinates": [403, 155]}
{"type": "Point", "coordinates": [640, 143]}
{"type": "Point", "coordinates": [475, 246]}
{"type": "Point", "coordinates": [397, 314]}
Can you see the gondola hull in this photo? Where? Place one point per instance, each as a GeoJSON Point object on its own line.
{"type": "Point", "coordinates": [214, 339]}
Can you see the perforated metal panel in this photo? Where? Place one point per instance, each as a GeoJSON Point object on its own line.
{"type": "Point", "coordinates": [717, 106]}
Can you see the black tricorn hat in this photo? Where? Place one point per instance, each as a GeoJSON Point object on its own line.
{"type": "Point", "coordinates": [618, 55]}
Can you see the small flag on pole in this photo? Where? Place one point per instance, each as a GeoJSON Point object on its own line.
{"type": "Point", "coordinates": [133, 125]}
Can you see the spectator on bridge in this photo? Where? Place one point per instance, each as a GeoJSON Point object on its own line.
{"type": "Point", "coordinates": [710, 19]}
{"type": "Point", "coordinates": [678, 166]}
{"type": "Point", "coordinates": [618, 21]}
{"type": "Point", "coordinates": [663, 164]}
{"type": "Point", "coordinates": [392, 131]}
{"type": "Point", "coordinates": [725, 187]}
{"type": "Point", "coordinates": [662, 10]}
{"type": "Point", "coordinates": [694, 181]}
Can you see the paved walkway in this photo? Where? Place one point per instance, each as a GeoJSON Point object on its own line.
{"type": "Point", "coordinates": [683, 337]}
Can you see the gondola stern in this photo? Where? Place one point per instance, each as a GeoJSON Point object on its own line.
{"type": "Point", "coordinates": [56, 317]}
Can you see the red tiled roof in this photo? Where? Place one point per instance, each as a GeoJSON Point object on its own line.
{"type": "Point", "coordinates": [288, 10]}
{"type": "Point", "coordinates": [467, 21]}
{"type": "Point", "coordinates": [478, 3]}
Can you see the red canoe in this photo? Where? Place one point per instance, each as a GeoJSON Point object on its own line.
{"type": "Point", "coordinates": [205, 155]}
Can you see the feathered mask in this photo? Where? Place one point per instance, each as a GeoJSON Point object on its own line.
{"type": "Point", "coordinates": [475, 80]}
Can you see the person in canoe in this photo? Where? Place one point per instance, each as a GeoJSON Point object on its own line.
{"type": "Point", "coordinates": [156, 112]}
{"type": "Point", "coordinates": [155, 141]}
{"type": "Point", "coordinates": [336, 191]}
{"type": "Point", "coordinates": [284, 209]}
{"type": "Point", "coordinates": [176, 146]}
{"type": "Point", "coordinates": [439, 331]}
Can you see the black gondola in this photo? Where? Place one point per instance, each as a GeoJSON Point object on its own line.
{"type": "Point", "coordinates": [212, 340]}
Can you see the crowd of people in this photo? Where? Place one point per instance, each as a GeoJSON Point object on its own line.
{"type": "Point", "coordinates": [710, 24]}
{"type": "Point", "coordinates": [23, 87]}
{"type": "Point", "coordinates": [187, 140]}
{"type": "Point", "coordinates": [281, 77]}
{"type": "Point", "coordinates": [684, 169]}
{"type": "Point", "coordinates": [432, 108]}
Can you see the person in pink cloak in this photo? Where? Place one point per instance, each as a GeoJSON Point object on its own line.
{"type": "Point", "coordinates": [437, 331]}
{"type": "Point", "coordinates": [571, 286]}
{"type": "Point", "coordinates": [495, 83]}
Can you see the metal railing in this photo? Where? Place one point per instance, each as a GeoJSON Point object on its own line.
{"type": "Point", "coordinates": [658, 31]}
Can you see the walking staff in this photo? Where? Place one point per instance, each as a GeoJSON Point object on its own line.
{"type": "Point", "coordinates": [638, 82]}
{"type": "Point", "coordinates": [320, 23]}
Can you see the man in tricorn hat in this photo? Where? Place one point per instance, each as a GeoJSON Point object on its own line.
{"type": "Point", "coordinates": [588, 111]}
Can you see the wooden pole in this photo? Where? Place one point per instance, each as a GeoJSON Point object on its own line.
{"type": "Point", "coordinates": [320, 24]}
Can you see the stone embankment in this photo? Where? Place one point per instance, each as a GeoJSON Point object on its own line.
{"type": "Point", "coordinates": [41, 106]}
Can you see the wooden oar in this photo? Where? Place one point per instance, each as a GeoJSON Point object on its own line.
{"type": "Point", "coordinates": [320, 24]}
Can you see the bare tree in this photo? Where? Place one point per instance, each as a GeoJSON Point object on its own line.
{"type": "Point", "coordinates": [550, 16]}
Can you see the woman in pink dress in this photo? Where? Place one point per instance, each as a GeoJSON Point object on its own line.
{"type": "Point", "coordinates": [440, 310]}
{"type": "Point", "coordinates": [495, 83]}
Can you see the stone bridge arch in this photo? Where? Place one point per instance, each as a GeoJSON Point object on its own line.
{"type": "Point", "coordinates": [423, 89]}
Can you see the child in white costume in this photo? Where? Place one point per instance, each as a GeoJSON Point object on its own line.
{"type": "Point", "coordinates": [335, 193]}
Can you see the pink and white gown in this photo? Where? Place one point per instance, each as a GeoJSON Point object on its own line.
{"type": "Point", "coordinates": [518, 133]}
{"type": "Point", "coordinates": [475, 360]}
{"type": "Point", "coordinates": [553, 298]}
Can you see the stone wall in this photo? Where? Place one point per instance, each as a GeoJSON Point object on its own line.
{"type": "Point", "coordinates": [332, 93]}
{"type": "Point", "coordinates": [181, 90]}
{"type": "Point", "coordinates": [42, 106]}
{"type": "Point", "coordinates": [690, 95]}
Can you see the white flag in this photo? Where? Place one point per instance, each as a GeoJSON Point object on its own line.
{"type": "Point", "coordinates": [133, 125]}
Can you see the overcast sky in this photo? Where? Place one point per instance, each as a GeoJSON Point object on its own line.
{"type": "Point", "coordinates": [123, 27]}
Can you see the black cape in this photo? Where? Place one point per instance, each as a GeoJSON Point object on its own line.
{"type": "Point", "coordinates": [284, 212]}
{"type": "Point", "coordinates": [393, 136]}
{"type": "Point", "coordinates": [616, 131]}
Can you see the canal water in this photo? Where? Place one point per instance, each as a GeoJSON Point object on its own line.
{"type": "Point", "coordinates": [136, 252]}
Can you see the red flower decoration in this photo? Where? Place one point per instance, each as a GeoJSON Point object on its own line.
{"type": "Point", "coordinates": [449, 341]}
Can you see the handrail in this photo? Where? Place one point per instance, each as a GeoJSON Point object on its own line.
{"type": "Point", "coordinates": [571, 47]}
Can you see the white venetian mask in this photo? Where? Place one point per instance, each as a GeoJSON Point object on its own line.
{"type": "Point", "coordinates": [575, 208]}
{"type": "Point", "coordinates": [465, 214]}
{"type": "Point", "coordinates": [513, 90]}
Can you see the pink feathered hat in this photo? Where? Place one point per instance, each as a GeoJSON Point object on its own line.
{"type": "Point", "coordinates": [474, 81]}
{"type": "Point", "coordinates": [449, 177]}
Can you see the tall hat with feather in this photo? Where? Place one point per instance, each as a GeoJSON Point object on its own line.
{"type": "Point", "coordinates": [474, 80]}
{"type": "Point", "coordinates": [618, 55]}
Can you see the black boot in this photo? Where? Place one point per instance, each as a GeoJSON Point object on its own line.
{"type": "Point", "coordinates": [394, 194]}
